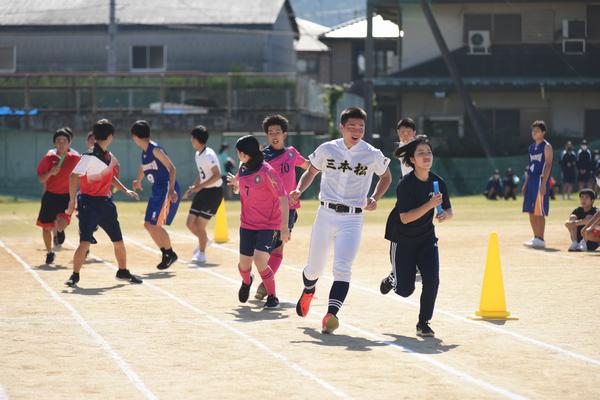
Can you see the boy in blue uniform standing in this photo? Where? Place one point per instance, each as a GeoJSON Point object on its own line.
{"type": "Point", "coordinates": [536, 187]}
{"type": "Point", "coordinates": [164, 201]}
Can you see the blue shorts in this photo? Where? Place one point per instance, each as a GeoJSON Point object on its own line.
{"type": "Point", "coordinates": [94, 211]}
{"type": "Point", "coordinates": [263, 240]}
{"type": "Point", "coordinates": [160, 210]}
{"type": "Point", "coordinates": [534, 203]}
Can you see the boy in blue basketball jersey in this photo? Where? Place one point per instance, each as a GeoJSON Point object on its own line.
{"type": "Point", "coordinates": [164, 201]}
{"type": "Point", "coordinates": [536, 187]}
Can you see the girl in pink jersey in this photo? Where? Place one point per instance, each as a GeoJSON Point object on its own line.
{"type": "Point", "coordinates": [284, 161]}
{"type": "Point", "coordinates": [264, 217]}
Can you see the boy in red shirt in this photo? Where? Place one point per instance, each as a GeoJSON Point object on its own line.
{"type": "Point", "coordinates": [96, 171]}
{"type": "Point", "coordinates": [53, 172]}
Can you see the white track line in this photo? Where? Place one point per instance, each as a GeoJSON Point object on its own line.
{"type": "Point", "coordinates": [495, 328]}
{"type": "Point", "coordinates": [326, 385]}
{"type": "Point", "coordinates": [428, 359]}
{"type": "Point", "coordinates": [3, 395]}
{"type": "Point", "coordinates": [133, 377]}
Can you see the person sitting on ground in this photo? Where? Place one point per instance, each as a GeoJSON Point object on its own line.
{"type": "Point", "coordinates": [493, 188]}
{"type": "Point", "coordinates": [509, 183]}
{"type": "Point", "coordinates": [580, 218]}
{"type": "Point", "coordinates": [591, 232]}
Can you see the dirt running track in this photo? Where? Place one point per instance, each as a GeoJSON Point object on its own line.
{"type": "Point", "coordinates": [183, 334]}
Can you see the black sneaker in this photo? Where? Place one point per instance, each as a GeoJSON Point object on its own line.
{"type": "Point", "coordinates": [50, 258]}
{"type": "Point", "coordinates": [72, 282]}
{"type": "Point", "coordinates": [167, 260]}
{"type": "Point", "coordinates": [272, 302]}
{"type": "Point", "coordinates": [244, 291]}
{"type": "Point", "coordinates": [386, 284]}
{"type": "Point", "coordinates": [60, 237]}
{"type": "Point", "coordinates": [423, 330]}
{"type": "Point", "coordinates": [125, 275]}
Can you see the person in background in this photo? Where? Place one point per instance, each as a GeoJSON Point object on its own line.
{"type": "Point", "coordinates": [493, 188]}
{"type": "Point", "coordinates": [568, 166]}
{"type": "Point", "coordinates": [579, 218]}
{"type": "Point", "coordinates": [226, 165]}
{"type": "Point", "coordinates": [584, 165]}
{"type": "Point", "coordinates": [509, 184]}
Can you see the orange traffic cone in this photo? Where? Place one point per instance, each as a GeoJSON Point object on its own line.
{"type": "Point", "coordinates": [492, 305]}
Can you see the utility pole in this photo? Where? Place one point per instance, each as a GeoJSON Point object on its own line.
{"type": "Point", "coordinates": [112, 34]}
{"type": "Point", "coordinates": [368, 80]}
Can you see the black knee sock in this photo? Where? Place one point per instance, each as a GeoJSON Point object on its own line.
{"type": "Point", "coordinates": [337, 295]}
{"type": "Point", "coordinates": [309, 286]}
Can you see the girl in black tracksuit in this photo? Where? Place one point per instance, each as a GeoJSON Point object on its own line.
{"type": "Point", "coordinates": [411, 231]}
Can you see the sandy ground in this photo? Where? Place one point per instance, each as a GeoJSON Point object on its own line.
{"type": "Point", "coordinates": [183, 334]}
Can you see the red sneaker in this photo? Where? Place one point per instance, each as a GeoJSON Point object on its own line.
{"type": "Point", "coordinates": [330, 323]}
{"type": "Point", "coordinates": [303, 304]}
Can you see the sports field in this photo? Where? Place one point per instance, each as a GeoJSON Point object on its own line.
{"type": "Point", "coordinates": [183, 334]}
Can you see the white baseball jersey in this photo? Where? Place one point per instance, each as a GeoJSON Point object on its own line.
{"type": "Point", "coordinates": [205, 161]}
{"type": "Point", "coordinates": [347, 173]}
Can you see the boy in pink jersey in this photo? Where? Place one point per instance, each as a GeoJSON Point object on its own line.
{"type": "Point", "coordinates": [284, 161]}
{"type": "Point", "coordinates": [264, 217]}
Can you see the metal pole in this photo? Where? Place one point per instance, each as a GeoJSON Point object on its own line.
{"type": "Point", "coordinates": [112, 34]}
{"type": "Point", "coordinates": [455, 75]}
{"type": "Point", "coordinates": [368, 79]}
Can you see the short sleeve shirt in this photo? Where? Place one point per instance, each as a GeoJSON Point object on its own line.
{"type": "Point", "coordinates": [260, 191]}
{"type": "Point", "coordinates": [412, 193]}
{"type": "Point", "coordinates": [59, 183]}
{"type": "Point", "coordinates": [284, 162]}
{"type": "Point", "coordinates": [347, 173]}
{"type": "Point", "coordinates": [205, 161]}
{"type": "Point", "coordinates": [97, 168]}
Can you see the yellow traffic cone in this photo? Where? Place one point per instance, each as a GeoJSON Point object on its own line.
{"type": "Point", "coordinates": [492, 305]}
{"type": "Point", "coordinates": [221, 231]}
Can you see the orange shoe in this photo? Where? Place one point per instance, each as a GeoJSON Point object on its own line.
{"type": "Point", "coordinates": [330, 323]}
{"type": "Point", "coordinates": [303, 304]}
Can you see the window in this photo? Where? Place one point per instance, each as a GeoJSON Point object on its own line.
{"type": "Point", "coordinates": [502, 123]}
{"type": "Point", "coordinates": [7, 58]}
{"type": "Point", "coordinates": [308, 65]}
{"type": "Point", "coordinates": [593, 22]}
{"type": "Point", "coordinates": [504, 28]}
{"type": "Point", "coordinates": [148, 58]}
{"type": "Point", "coordinates": [507, 28]}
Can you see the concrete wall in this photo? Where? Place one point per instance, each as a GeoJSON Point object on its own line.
{"type": "Point", "coordinates": [341, 61]}
{"type": "Point", "coordinates": [420, 46]}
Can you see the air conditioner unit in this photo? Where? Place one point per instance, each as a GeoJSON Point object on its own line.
{"type": "Point", "coordinates": [573, 46]}
{"type": "Point", "coordinates": [479, 42]}
{"type": "Point", "coordinates": [573, 29]}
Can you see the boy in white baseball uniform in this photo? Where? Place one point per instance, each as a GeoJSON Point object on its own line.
{"type": "Point", "coordinates": [347, 166]}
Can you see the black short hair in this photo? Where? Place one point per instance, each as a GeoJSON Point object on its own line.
{"type": "Point", "coordinates": [200, 133]}
{"type": "Point", "coordinates": [276, 119]}
{"type": "Point", "coordinates": [64, 131]}
{"type": "Point", "coordinates": [102, 129]}
{"type": "Point", "coordinates": [352, 112]}
{"type": "Point", "coordinates": [141, 129]}
{"type": "Point", "coordinates": [249, 145]}
{"type": "Point", "coordinates": [539, 124]}
{"type": "Point", "coordinates": [406, 123]}
{"type": "Point", "coordinates": [588, 192]}
{"type": "Point", "coordinates": [407, 151]}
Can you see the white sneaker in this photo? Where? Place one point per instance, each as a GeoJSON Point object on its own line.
{"type": "Point", "coordinates": [574, 246]}
{"type": "Point", "coordinates": [538, 243]}
{"type": "Point", "coordinates": [582, 245]}
{"type": "Point", "coordinates": [528, 243]}
{"type": "Point", "coordinates": [199, 258]}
